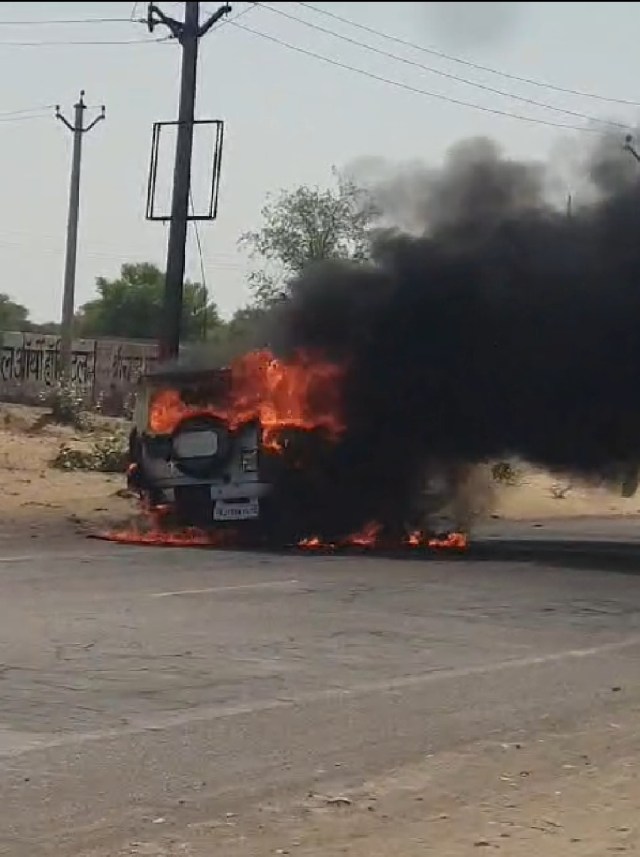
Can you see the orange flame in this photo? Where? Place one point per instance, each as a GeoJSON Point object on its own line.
{"type": "Point", "coordinates": [369, 537]}
{"type": "Point", "coordinates": [453, 540]}
{"type": "Point", "coordinates": [161, 538]}
{"type": "Point", "coordinates": [303, 393]}
{"type": "Point", "coordinates": [366, 537]}
{"type": "Point", "coordinates": [312, 543]}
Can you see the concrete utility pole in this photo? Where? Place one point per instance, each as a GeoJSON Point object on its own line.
{"type": "Point", "coordinates": [188, 33]}
{"type": "Point", "coordinates": [68, 298]}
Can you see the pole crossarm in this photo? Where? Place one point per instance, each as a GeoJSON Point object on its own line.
{"type": "Point", "coordinates": [81, 106]}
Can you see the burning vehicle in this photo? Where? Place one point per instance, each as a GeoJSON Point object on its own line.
{"type": "Point", "coordinates": [187, 459]}
{"type": "Point", "coordinates": [257, 448]}
{"type": "Point", "coordinates": [206, 446]}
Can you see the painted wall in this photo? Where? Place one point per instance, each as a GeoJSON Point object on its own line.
{"type": "Point", "coordinates": [105, 369]}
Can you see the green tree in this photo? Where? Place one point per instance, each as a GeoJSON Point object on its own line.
{"type": "Point", "coordinates": [306, 225]}
{"type": "Point", "coordinates": [13, 316]}
{"type": "Point", "coordinates": [131, 306]}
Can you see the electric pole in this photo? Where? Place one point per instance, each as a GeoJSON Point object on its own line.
{"type": "Point", "coordinates": [68, 298]}
{"type": "Point", "coordinates": [188, 33]}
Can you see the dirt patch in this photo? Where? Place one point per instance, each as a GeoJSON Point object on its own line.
{"type": "Point", "coordinates": [40, 501]}
{"type": "Point", "coordinates": [541, 495]}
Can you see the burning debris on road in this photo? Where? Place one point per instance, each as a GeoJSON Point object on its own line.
{"type": "Point", "coordinates": [497, 326]}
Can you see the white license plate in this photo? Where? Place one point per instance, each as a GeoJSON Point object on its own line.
{"type": "Point", "coordinates": [236, 511]}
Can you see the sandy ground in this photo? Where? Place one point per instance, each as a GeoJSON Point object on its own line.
{"type": "Point", "coordinates": [40, 500]}
{"type": "Point", "coordinates": [562, 794]}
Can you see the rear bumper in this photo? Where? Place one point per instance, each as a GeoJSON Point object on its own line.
{"type": "Point", "coordinates": [207, 506]}
{"type": "Point", "coordinates": [173, 491]}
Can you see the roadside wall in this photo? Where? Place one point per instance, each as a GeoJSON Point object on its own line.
{"type": "Point", "coordinates": [106, 370]}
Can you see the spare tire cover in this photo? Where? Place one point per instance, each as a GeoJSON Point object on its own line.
{"type": "Point", "coordinates": [200, 446]}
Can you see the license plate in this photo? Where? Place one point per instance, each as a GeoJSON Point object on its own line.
{"type": "Point", "coordinates": [236, 511]}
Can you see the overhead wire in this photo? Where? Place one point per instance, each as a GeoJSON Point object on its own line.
{"type": "Point", "coordinates": [38, 248]}
{"type": "Point", "coordinates": [478, 66]}
{"type": "Point", "coordinates": [23, 118]}
{"type": "Point", "coordinates": [203, 275]}
{"type": "Point", "coordinates": [26, 113]}
{"type": "Point", "coordinates": [53, 21]}
{"type": "Point", "coordinates": [24, 110]}
{"type": "Point", "coordinates": [414, 89]}
{"type": "Point", "coordinates": [28, 43]}
{"type": "Point", "coordinates": [95, 42]}
{"type": "Point", "coordinates": [439, 72]}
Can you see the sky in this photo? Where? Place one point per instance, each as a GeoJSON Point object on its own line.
{"type": "Point", "coordinates": [289, 117]}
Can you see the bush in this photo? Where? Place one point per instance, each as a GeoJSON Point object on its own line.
{"type": "Point", "coordinates": [506, 473]}
{"type": "Point", "coordinates": [106, 455]}
{"type": "Point", "coordinates": [66, 401]}
{"type": "Point", "coordinates": [560, 490]}
{"type": "Point", "coordinates": [124, 407]}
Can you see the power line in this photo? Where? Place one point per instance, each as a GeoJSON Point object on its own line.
{"type": "Point", "coordinates": [414, 89]}
{"type": "Point", "coordinates": [203, 275]}
{"type": "Point", "coordinates": [66, 21]}
{"type": "Point", "coordinates": [24, 237]}
{"type": "Point", "coordinates": [469, 63]}
{"type": "Point", "coordinates": [26, 113]}
{"type": "Point", "coordinates": [196, 231]}
{"type": "Point", "coordinates": [439, 72]}
{"type": "Point", "coordinates": [98, 255]}
{"type": "Point", "coordinates": [24, 118]}
{"type": "Point", "coordinates": [24, 110]}
{"type": "Point", "coordinates": [42, 44]}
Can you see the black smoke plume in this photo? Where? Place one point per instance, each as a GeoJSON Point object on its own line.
{"type": "Point", "coordinates": [503, 327]}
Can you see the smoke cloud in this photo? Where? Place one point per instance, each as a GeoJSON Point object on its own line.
{"type": "Point", "coordinates": [497, 326]}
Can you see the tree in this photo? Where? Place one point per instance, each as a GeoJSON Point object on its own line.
{"type": "Point", "coordinates": [131, 306]}
{"type": "Point", "coordinates": [13, 316]}
{"type": "Point", "coordinates": [307, 225]}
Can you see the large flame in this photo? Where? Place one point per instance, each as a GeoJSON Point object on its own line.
{"type": "Point", "coordinates": [302, 393]}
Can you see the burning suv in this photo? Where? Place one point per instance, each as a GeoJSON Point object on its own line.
{"type": "Point", "coordinates": [187, 458]}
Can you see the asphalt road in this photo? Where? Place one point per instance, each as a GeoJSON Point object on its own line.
{"type": "Point", "coordinates": [144, 686]}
